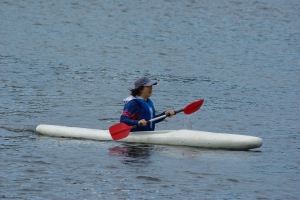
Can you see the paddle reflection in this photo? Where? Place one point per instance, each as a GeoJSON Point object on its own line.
{"type": "Point", "coordinates": [132, 153]}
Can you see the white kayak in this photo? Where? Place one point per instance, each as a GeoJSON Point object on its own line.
{"type": "Point", "coordinates": [181, 137]}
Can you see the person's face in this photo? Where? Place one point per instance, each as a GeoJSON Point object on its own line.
{"type": "Point", "coordinates": [146, 92]}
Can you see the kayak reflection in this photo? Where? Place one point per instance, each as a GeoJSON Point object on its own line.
{"type": "Point", "coordinates": [133, 153]}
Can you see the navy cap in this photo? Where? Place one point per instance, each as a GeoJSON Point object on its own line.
{"type": "Point", "coordinates": [144, 81]}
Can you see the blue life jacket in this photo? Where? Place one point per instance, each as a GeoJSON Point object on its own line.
{"type": "Point", "coordinates": [138, 109]}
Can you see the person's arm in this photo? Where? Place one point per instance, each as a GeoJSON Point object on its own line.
{"type": "Point", "coordinates": [169, 113]}
{"type": "Point", "coordinates": [130, 114]}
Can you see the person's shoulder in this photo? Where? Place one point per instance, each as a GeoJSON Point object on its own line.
{"type": "Point", "coordinates": [134, 103]}
{"type": "Point", "coordinates": [128, 99]}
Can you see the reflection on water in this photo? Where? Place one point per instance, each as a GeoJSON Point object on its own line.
{"type": "Point", "coordinates": [132, 153]}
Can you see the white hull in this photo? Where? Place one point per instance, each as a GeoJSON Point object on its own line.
{"type": "Point", "coordinates": [166, 137]}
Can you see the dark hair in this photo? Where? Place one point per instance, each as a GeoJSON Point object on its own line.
{"type": "Point", "coordinates": [135, 92]}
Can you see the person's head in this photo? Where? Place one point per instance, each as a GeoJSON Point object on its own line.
{"type": "Point", "coordinates": [143, 87]}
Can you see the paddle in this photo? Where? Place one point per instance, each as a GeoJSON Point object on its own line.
{"type": "Point", "coordinates": [121, 130]}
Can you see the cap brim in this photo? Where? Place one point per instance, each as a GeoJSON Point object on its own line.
{"type": "Point", "coordinates": [150, 83]}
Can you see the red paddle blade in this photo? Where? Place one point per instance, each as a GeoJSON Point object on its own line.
{"type": "Point", "coordinates": [193, 107]}
{"type": "Point", "coordinates": [119, 131]}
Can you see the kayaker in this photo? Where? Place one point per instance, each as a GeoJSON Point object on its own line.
{"type": "Point", "coordinates": [139, 108]}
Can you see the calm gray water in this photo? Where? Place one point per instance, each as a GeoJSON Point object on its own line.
{"type": "Point", "coordinates": [71, 63]}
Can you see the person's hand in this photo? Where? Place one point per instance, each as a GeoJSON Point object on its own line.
{"type": "Point", "coordinates": [170, 113]}
{"type": "Point", "coordinates": [142, 122]}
